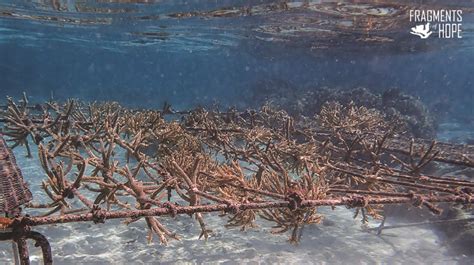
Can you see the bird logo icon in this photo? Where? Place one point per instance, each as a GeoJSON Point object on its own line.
{"type": "Point", "coordinates": [423, 30]}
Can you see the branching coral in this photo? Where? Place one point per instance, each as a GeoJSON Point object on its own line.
{"type": "Point", "coordinates": [133, 164]}
{"type": "Point", "coordinates": [408, 111]}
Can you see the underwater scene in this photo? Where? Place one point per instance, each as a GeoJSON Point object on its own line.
{"type": "Point", "coordinates": [236, 132]}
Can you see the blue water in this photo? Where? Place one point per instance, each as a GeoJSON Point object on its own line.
{"type": "Point", "coordinates": [141, 54]}
{"type": "Point", "coordinates": [189, 53]}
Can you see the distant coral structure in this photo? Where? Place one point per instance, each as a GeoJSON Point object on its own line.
{"type": "Point", "coordinates": [412, 114]}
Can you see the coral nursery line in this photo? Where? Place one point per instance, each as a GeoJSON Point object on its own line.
{"type": "Point", "coordinates": [104, 161]}
{"type": "Point", "coordinates": [351, 201]}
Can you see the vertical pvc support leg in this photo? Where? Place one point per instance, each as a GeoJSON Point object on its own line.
{"type": "Point", "coordinates": [23, 251]}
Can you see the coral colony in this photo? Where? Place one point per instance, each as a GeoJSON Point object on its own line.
{"type": "Point", "coordinates": [103, 161]}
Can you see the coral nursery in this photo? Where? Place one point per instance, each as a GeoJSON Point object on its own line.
{"type": "Point", "coordinates": [103, 161]}
{"type": "Point", "coordinates": [236, 131]}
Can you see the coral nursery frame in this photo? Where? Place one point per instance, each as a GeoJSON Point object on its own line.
{"type": "Point", "coordinates": [244, 164]}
